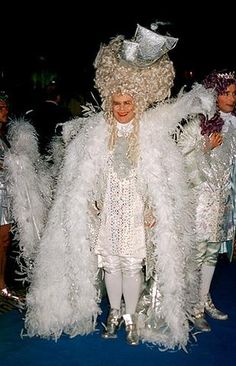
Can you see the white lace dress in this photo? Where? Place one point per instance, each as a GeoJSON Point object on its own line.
{"type": "Point", "coordinates": [122, 216]}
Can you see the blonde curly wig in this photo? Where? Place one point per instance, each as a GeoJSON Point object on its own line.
{"type": "Point", "coordinates": [146, 85]}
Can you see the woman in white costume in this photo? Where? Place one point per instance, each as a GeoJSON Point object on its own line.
{"type": "Point", "coordinates": [209, 146]}
{"type": "Point", "coordinates": [122, 202]}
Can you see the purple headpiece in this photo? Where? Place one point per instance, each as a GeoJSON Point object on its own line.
{"type": "Point", "coordinates": [219, 81]}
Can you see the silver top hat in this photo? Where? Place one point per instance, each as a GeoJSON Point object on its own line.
{"type": "Point", "coordinates": [146, 47]}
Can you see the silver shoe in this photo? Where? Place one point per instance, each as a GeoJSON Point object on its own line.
{"type": "Point", "coordinates": [4, 292]}
{"type": "Point", "coordinates": [132, 336]}
{"type": "Point", "coordinates": [114, 322]}
{"type": "Point", "coordinates": [200, 323]}
{"type": "Point", "coordinates": [212, 311]}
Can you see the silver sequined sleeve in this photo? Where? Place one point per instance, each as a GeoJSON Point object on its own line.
{"type": "Point", "coordinates": [5, 201]}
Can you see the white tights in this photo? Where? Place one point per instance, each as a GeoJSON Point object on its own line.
{"type": "Point", "coordinates": [207, 273]}
{"type": "Point", "coordinates": [123, 276]}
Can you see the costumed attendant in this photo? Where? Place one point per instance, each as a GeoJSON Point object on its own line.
{"type": "Point", "coordinates": [208, 144]}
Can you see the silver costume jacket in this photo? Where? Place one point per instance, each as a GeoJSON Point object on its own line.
{"type": "Point", "coordinates": [210, 175]}
{"type": "Point", "coordinates": [5, 201]}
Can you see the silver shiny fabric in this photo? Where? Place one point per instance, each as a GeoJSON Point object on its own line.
{"type": "Point", "coordinates": [114, 264]}
{"type": "Point", "coordinates": [207, 252]}
{"type": "Point", "coordinates": [149, 308]}
{"type": "Point", "coordinates": [201, 324]}
{"type": "Point", "coordinates": [210, 173]}
{"type": "Point", "coordinates": [114, 322]}
{"type": "Point", "coordinates": [132, 336]}
{"type": "Point", "coordinates": [146, 47]}
{"type": "Point", "coordinates": [212, 311]}
{"type": "Point", "coordinates": [5, 201]}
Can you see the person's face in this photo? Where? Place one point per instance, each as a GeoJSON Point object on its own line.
{"type": "Point", "coordinates": [3, 111]}
{"type": "Point", "coordinates": [227, 100]}
{"type": "Point", "coordinates": [123, 107]}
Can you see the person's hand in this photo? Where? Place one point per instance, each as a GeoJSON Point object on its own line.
{"type": "Point", "coordinates": [214, 140]}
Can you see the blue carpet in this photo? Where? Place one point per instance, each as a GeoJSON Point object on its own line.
{"type": "Point", "coordinates": [217, 348]}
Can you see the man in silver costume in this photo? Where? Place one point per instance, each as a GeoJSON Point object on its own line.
{"type": "Point", "coordinates": [209, 146]}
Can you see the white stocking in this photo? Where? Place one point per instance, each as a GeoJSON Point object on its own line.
{"type": "Point", "coordinates": [131, 291]}
{"type": "Point", "coordinates": [113, 282]}
{"type": "Point", "coordinates": [207, 273]}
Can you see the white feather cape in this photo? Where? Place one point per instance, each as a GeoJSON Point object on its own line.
{"type": "Point", "coordinates": [63, 295]}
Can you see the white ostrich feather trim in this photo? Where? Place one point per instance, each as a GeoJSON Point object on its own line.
{"type": "Point", "coordinates": [30, 188]}
{"type": "Point", "coordinates": [65, 271]}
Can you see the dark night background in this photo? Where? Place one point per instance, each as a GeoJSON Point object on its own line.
{"type": "Point", "coordinates": [64, 39]}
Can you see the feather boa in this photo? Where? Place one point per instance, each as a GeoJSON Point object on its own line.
{"type": "Point", "coordinates": [65, 269]}
{"type": "Point", "coordinates": [30, 188]}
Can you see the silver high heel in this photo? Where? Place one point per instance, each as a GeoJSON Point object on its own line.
{"type": "Point", "coordinates": [199, 320]}
{"type": "Point", "coordinates": [200, 323]}
{"type": "Point", "coordinates": [4, 292]}
{"type": "Point", "coordinates": [212, 311]}
{"type": "Point", "coordinates": [114, 322]}
{"type": "Point", "coordinates": [132, 336]}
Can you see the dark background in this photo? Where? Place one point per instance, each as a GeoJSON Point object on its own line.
{"type": "Point", "coordinates": [64, 39]}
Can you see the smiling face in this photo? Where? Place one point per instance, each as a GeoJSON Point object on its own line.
{"type": "Point", "coordinates": [227, 100]}
{"type": "Point", "coordinates": [123, 107]}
